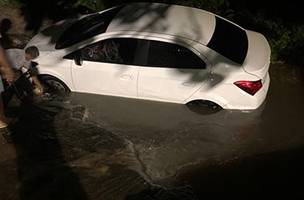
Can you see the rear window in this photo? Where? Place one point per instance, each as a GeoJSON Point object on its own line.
{"type": "Point", "coordinates": [86, 27]}
{"type": "Point", "coordinates": [229, 40]}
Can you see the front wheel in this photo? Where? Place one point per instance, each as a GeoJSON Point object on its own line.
{"type": "Point", "coordinates": [53, 87]}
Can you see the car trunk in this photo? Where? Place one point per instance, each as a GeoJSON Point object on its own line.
{"type": "Point", "coordinates": [258, 56]}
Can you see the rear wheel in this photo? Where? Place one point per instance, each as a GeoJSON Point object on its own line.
{"type": "Point", "coordinates": [204, 107]}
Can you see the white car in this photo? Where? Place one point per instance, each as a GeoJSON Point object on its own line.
{"type": "Point", "coordinates": [157, 52]}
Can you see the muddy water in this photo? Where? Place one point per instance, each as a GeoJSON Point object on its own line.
{"type": "Point", "coordinates": [176, 134]}
{"type": "Point", "coordinates": [185, 143]}
{"type": "Point", "coordinates": [99, 147]}
{"type": "Point", "coordinates": [270, 149]}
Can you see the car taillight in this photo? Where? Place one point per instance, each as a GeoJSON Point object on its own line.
{"type": "Point", "coordinates": [251, 87]}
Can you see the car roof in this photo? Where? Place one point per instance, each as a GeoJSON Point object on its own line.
{"type": "Point", "coordinates": [179, 21]}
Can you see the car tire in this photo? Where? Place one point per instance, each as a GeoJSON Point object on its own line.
{"type": "Point", "coordinates": [203, 107]}
{"type": "Point", "coordinates": [53, 86]}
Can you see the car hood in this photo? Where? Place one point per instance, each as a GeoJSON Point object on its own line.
{"type": "Point", "coordinates": [46, 39]}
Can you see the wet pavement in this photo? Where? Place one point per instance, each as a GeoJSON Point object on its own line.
{"type": "Point", "coordinates": [101, 147]}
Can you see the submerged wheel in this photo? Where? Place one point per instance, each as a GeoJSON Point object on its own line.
{"type": "Point", "coordinates": [53, 86]}
{"type": "Point", "coordinates": [203, 107]}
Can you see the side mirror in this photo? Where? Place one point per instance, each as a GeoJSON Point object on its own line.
{"type": "Point", "coordinates": [78, 59]}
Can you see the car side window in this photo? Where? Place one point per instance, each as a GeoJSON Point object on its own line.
{"type": "Point", "coordinates": [117, 50]}
{"type": "Point", "coordinates": [163, 54]}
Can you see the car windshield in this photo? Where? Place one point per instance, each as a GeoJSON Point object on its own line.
{"type": "Point", "coordinates": [229, 40]}
{"type": "Point", "coordinates": [86, 27]}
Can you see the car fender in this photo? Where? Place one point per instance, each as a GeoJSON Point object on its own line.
{"type": "Point", "coordinates": [208, 96]}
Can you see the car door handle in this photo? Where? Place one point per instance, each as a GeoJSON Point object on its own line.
{"type": "Point", "coordinates": [126, 77]}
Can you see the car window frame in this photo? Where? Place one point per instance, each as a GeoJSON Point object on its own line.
{"type": "Point", "coordinates": [182, 42]}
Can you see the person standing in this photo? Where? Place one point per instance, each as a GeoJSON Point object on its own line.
{"type": "Point", "coordinates": [21, 61]}
{"type": "Point", "coordinates": [6, 74]}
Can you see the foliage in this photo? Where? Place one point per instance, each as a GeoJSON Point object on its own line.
{"type": "Point", "coordinates": [9, 2]}
{"type": "Point", "coordinates": [286, 39]}
{"type": "Point", "coordinates": [94, 5]}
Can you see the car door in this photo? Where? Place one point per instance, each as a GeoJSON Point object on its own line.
{"type": "Point", "coordinates": [107, 68]}
{"type": "Point", "coordinates": [172, 72]}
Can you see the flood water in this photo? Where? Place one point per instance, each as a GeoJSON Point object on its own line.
{"type": "Point", "coordinates": [115, 148]}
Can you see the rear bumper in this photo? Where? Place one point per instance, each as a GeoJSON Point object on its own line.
{"type": "Point", "coordinates": [229, 96]}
